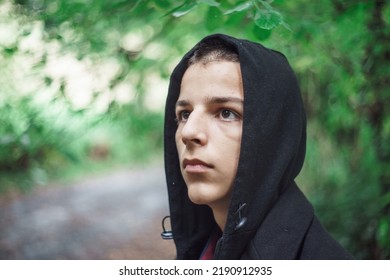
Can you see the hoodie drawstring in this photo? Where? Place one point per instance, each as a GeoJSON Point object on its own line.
{"type": "Point", "coordinates": [241, 221]}
{"type": "Point", "coordinates": [166, 234]}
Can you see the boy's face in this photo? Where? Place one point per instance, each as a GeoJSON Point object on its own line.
{"type": "Point", "coordinates": [209, 112]}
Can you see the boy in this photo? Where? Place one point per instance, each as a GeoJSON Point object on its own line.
{"type": "Point", "coordinates": [235, 139]}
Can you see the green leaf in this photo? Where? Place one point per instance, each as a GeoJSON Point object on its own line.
{"type": "Point", "coordinates": [164, 4]}
{"type": "Point", "coordinates": [266, 4]}
{"type": "Point", "coordinates": [183, 9]}
{"type": "Point", "coordinates": [261, 34]}
{"type": "Point", "coordinates": [240, 8]}
{"type": "Point", "coordinates": [211, 3]}
{"type": "Point", "coordinates": [214, 19]}
{"type": "Point", "coordinates": [268, 19]}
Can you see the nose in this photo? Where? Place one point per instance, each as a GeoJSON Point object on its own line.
{"type": "Point", "coordinates": [194, 131]}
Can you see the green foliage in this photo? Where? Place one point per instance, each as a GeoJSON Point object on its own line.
{"type": "Point", "coordinates": [339, 50]}
{"type": "Point", "coordinates": [24, 127]}
{"type": "Point", "coordinates": [346, 159]}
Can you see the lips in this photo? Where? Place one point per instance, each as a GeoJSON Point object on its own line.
{"type": "Point", "coordinates": [195, 166]}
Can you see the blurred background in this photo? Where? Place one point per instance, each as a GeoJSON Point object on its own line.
{"type": "Point", "coordinates": [82, 91]}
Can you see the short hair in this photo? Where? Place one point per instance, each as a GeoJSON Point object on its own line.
{"type": "Point", "coordinates": [212, 50]}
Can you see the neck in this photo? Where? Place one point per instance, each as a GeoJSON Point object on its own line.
{"type": "Point", "coordinates": [220, 211]}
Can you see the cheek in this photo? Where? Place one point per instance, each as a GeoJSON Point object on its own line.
{"type": "Point", "coordinates": [229, 153]}
{"type": "Point", "coordinates": [230, 143]}
{"type": "Point", "coordinates": [177, 139]}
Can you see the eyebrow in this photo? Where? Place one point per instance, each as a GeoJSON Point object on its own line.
{"type": "Point", "coordinates": [212, 100]}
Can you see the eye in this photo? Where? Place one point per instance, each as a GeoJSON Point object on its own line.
{"type": "Point", "coordinates": [182, 116]}
{"type": "Point", "coordinates": [228, 115]}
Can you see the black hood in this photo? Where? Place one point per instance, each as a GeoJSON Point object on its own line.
{"type": "Point", "coordinates": [272, 153]}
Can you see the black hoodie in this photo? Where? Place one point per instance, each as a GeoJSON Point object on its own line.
{"type": "Point", "coordinates": [269, 217]}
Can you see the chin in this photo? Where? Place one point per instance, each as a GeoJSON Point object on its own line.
{"type": "Point", "coordinates": [198, 198]}
{"type": "Point", "coordinates": [204, 194]}
{"type": "Point", "coordinates": [200, 194]}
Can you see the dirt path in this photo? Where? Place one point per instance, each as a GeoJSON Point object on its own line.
{"type": "Point", "coordinates": [115, 216]}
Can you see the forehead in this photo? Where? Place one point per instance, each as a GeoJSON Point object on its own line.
{"type": "Point", "coordinates": [214, 78]}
